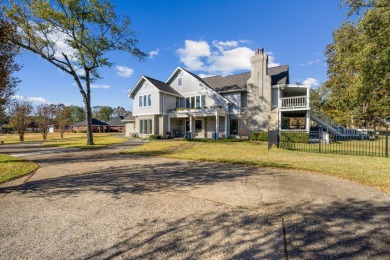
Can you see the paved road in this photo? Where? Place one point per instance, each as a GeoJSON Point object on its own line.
{"type": "Point", "coordinates": [101, 204]}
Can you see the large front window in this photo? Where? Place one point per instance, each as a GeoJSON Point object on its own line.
{"type": "Point", "coordinates": [198, 125]}
{"type": "Point", "coordinates": [197, 101]}
{"type": "Point", "coordinates": [192, 102]}
{"type": "Point", "coordinates": [145, 126]}
{"type": "Point", "coordinates": [234, 126]}
{"type": "Point", "coordinates": [188, 103]}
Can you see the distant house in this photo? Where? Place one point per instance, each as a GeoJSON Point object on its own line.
{"type": "Point", "coordinates": [129, 122]}
{"type": "Point", "coordinates": [55, 128]}
{"type": "Point", "coordinates": [116, 124]}
{"type": "Point", "coordinates": [32, 127]}
{"type": "Point", "coordinates": [97, 126]}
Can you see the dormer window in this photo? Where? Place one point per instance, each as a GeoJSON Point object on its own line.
{"type": "Point", "coordinates": [180, 82]}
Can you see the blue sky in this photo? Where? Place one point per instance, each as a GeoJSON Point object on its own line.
{"type": "Point", "coordinates": [208, 37]}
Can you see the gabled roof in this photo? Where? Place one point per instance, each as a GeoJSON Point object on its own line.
{"type": "Point", "coordinates": [94, 122]}
{"type": "Point", "coordinates": [238, 82]}
{"type": "Point", "coordinates": [116, 121]}
{"type": "Point", "coordinates": [196, 77]}
{"type": "Point", "coordinates": [129, 117]}
{"type": "Point", "coordinates": [161, 86]}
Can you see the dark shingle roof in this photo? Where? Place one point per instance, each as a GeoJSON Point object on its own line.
{"type": "Point", "coordinates": [94, 122]}
{"type": "Point", "coordinates": [237, 82]}
{"type": "Point", "coordinates": [129, 117]}
{"type": "Point", "coordinates": [116, 121]}
{"type": "Point", "coordinates": [229, 83]}
{"type": "Point", "coordinates": [279, 75]}
{"type": "Point", "coordinates": [162, 86]}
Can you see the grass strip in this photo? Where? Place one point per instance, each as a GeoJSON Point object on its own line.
{"type": "Point", "coordinates": [13, 167]}
{"type": "Point", "coordinates": [372, 171]}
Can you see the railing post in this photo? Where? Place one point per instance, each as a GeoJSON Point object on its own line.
{"type": "Point", "coordinates": [319, 138]}
{"type": "Point", "coordinates": [387, 142]}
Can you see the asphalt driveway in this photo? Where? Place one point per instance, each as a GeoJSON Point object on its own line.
{"type": "Point", "coordinates": [100, 204]}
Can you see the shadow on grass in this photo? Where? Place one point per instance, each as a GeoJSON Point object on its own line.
{"type": "Point", "coordinates": [341, 230]}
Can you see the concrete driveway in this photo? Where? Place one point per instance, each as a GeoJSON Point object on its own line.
{"type": "Point", "coordinates": [100, 205]}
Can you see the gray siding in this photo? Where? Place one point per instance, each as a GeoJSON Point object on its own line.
{"type": "Point", "coordinates": [235, 98]}
{"type": "Point", "coordinates": [147, 89]}
{"type": "Point", "coordinates": [193, 87]}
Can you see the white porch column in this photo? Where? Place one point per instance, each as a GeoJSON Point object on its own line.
{"type": "Point", "coordinates": [308, 97]}
{"type": "Point", "coordinates": [226, 127]}
{"type": "Point", "coordinates": [169, 125]}
{"type": "Point", "coordinates": [191, 126]}
{"type": "Point", "coordinates": [308, 120]}
{"type": "Point", "coordinates": [217, 123]}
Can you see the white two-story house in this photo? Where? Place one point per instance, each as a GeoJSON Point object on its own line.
{"type": "Point", "coordinates": [221, 106]}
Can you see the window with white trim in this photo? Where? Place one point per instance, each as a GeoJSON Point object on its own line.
{"type": "Point", "coordinates": [149, 100]}
{"type": "Point", "coordinates": [145, 126]}
{"type": "Point", "coordinates": [140, 101]}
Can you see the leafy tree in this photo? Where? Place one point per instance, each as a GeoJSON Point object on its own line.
{"type": "Point", "coordinates": [103, 113]}
{"type": "Point", "coordinates": [63, 118]}
{"type": "Point", "coordinates": [19, 111]}
{"type": "Point", "coordinates": [358, 66]}
{"type": "Point", "coordinates": [90, 29]}
{"type": "Point", "coordinates": [77, 114]}
{"type": "Point", "coordinates": [119, 111]}
{"type": "Point", "coordinates": [43, 117]}
{"type": "Point", "coordinates": [8, 52]}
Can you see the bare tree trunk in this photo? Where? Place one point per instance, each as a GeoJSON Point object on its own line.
{"type": "Point", "coordinates": [21, 137]}
{"type": "Point", "coordinates": [62, 132]}
{"type": "Point", "coordinates": [88, 110]}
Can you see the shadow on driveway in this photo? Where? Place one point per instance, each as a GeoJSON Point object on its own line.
{"type": "Point", "coordinates": [342, 230]}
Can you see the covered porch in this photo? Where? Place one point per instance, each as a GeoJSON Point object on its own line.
{"type": "Point", "coordinates": [295, 120]}
{"type": "Point", "coordinates": [198, 123]}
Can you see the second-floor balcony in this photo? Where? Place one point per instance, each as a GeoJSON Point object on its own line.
{"type": "Point", "coordinates": [294, 102]}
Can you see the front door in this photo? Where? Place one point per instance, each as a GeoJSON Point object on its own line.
{"type": "Point", "coordinates": [187, 125]}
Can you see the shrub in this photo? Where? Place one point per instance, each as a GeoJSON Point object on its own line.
{"type": "Point", "coordinates": [259, 136]}
{"type": "Point", "coordinates": [155, 137]}
{"type": "Point", "coordinates": [294, 137]}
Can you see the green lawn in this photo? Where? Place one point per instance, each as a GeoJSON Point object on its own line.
{"type": "Point", "coordinates": [12, 167]}
{"type": "Point", "coordinates": [71, 140]}
{"type": "Point", "coordinates": [100, 140]}
{"type": "Point", "coordinates": [373, 171]}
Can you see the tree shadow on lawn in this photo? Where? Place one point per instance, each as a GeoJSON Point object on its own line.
{"type": "Point", "coordinates": [341, 230]}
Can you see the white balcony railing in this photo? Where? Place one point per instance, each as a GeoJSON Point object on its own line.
{"type": "Point", "coordinates": [294, 102]}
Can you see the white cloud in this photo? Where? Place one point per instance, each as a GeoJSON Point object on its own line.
{"type": "Point", "coordinates": [124, 71]}
{"type": "Point", "coordinates": [202, 75]}
{"type": "Point", "coordinates": [221, 46]}
{"type": "Point", "coordinates": [103, 86]}
{"type": "Point", "coordinates": [61, 46]}
{"type": "Point", "coordinates": [221, 57]}
{"type": "Point", "coordinates": [35, 100]}
{"type": "Point", "coordinates": [153, 53]}
{"type": "Point", "coordinates": [311, 82]}
{"type": "Point", "coordinates": [228, 61]}
{"type": "Point", "coordinates": [311, 62]}
{"type": "Point", "coordinates": [192, 53]}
